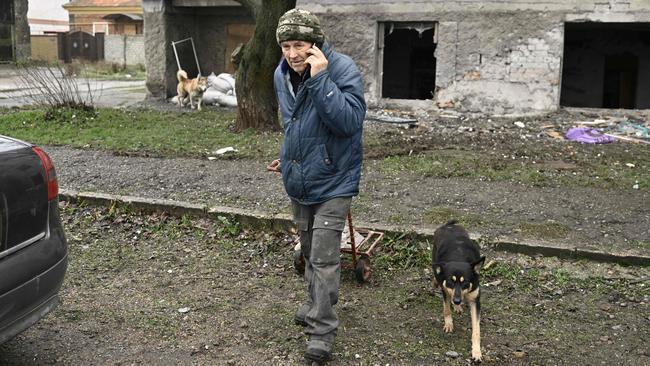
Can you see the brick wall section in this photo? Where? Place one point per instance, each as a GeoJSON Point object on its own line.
{"type": "Point", "coordinates": [124, 50]}
{"type": "Point", "coordinates": [85, 23]}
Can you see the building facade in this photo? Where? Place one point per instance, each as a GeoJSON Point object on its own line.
{"type": "Point", "coordinates": [106, 16]}
{"type": "Point", "coordinates": [502, 57]}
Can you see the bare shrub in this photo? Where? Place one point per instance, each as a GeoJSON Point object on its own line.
{"type": "Point", "coordinates": [53, 87]}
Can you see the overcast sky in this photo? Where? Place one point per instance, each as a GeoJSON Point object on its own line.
{"type": "Point", "coordinates": [47, 9]}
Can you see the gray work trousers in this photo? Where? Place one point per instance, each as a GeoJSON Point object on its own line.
{"type": "Point", "coordinates": [320, 227]}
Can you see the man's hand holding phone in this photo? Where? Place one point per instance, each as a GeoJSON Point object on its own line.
{"type": "Point", "coordinates": [316, 60]}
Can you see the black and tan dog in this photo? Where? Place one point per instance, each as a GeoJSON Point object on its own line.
{"type": "Point", "coordinates": [456, 265]}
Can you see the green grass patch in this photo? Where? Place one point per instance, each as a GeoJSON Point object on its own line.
{"type": "Point", "coordinates": [455, 163]}
{"type": "Point", "coordinates": [501, 271]}
{"type": "Point", "coordinates": [142, 131]}
{"type": "Point", "coordinates": [588, 169]}
{"type": "Point", "coordinates": [546, 230]}
{"type": "Point", "coordinates": [402, 252]}
{"type": "Point", "coordinates": [561, 277]}
{"type": "Point", "coordinates": [107, 71]}
{"type": "Point", "coordinates": [640, 244]}
{"type": "Point", "coordinates": [137, 90]}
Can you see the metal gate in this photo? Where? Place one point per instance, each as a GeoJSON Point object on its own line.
{"type": "Point", "coordinates": [82, 45]}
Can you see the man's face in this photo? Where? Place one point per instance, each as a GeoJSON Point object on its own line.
{"type": "Point", "coordinates": [295, 52]}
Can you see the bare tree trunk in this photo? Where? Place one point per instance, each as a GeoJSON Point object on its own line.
{"type": "Point", "coordinates": [256, 99]}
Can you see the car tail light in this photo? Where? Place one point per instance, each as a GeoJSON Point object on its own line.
{"type": "Point", "coordinates": [50, 173]}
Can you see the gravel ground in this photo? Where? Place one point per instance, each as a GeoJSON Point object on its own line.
{"type": "Point", "coordinates": [149, 289]}
{"type": "Point", "coordinates": [609, 220]}
{"type": "Point", "coordinates": [154, 289]}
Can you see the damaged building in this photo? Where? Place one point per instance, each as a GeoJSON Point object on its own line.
{"type": "Point", "coordinates": [505, 57]}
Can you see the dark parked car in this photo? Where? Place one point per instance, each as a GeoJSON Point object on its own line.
{"type": "Point", "coordinates": [33, 249]}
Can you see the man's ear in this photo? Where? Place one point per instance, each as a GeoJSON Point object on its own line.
{"type": "Point", "coordinates": [478, 264]}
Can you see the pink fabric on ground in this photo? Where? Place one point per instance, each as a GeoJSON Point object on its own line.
{"type": "Point", "coordinates": [588, 136]}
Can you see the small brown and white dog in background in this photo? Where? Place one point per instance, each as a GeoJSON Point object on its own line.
{"type": "Point", "coordinates": [190, 89]}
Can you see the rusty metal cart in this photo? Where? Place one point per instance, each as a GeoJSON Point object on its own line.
{"type": "Point", "coordinates": [361, 251]}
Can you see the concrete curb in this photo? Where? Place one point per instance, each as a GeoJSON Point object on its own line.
{"type": "Point", "coordinates": [283, 222]}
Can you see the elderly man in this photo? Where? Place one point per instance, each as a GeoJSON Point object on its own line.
{"type": "Point", "coordinates": [320, 93]}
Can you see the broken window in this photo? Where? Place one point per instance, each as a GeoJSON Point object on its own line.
{"type": "Point", "coordinates": [606, 65]}
{"type": "Point", "coordinates": [407, 62]}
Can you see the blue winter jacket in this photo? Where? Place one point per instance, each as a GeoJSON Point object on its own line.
{"type": "Point", "coordinates": [322, 150]}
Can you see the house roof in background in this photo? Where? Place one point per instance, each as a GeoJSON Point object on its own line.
{"type": "Point", "coordinates": [119, 16]}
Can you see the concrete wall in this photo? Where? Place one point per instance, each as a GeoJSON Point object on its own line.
{"type": "Point", "coordinates": [45, 48]}
{"type": "Point", "coordinates": [23, 47]}
{"type": "Point", "coordinates": [156, 47]}
{"type": "Point", "coordinates": [124, 50]}
{"type": "Point", "coordinates": [502, 57]}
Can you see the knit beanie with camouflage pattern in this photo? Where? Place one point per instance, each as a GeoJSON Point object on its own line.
{"type": "Point", "coordinates": [299, 25]}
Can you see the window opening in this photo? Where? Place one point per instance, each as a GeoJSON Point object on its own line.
{"type": "Point", "coordinates": [606, 65]}
{"type": "Point", "coordinates": [409, 65]}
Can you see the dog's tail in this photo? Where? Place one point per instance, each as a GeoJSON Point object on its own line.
{"type": "Point", "coordinates": [451, 222]}
{"type": "Point", "coordinates": [181, 75]}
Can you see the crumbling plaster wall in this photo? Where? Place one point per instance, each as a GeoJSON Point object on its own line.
{"type": "Point", "coordinates": [499, 57]}
{"type": "Point", "coordinates": [165, 23]}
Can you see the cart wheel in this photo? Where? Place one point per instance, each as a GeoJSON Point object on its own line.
{"type": "Point", "coordinates": [362, 271]}
{"type": "Point", "coordinates": [299, 262]}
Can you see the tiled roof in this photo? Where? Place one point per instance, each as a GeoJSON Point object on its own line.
{"type": "Point", "coordinates": [103, 3]}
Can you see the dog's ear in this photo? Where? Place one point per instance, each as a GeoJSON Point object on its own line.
{"type": "Point", "coordinates": [478, 264]}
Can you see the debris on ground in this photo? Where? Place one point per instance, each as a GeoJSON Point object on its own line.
{"type": "Point", "coordinates": [588, 136]}
{"type": "Point", "coordinates": [619, 128]}
{"type": "Point", "coordinates": [225, 150]}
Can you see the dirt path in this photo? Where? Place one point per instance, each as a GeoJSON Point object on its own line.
{"type": "Point", "coordinates": [152, 289]}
